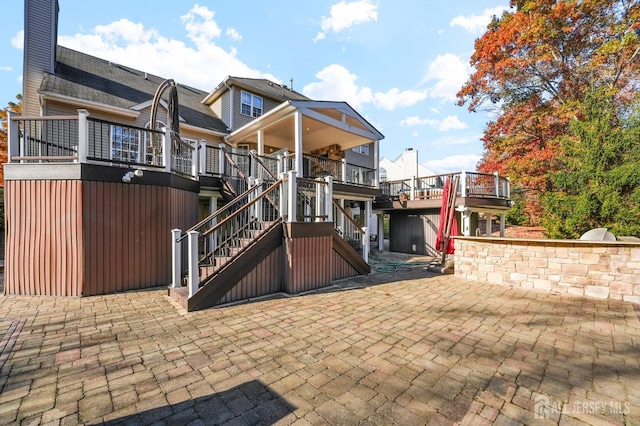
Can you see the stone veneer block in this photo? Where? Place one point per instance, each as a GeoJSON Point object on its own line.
{"type": "Point", "coordinates": [599, 269]}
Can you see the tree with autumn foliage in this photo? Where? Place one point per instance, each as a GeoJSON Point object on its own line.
{"type": "Point", "coordinates": [535, 65]}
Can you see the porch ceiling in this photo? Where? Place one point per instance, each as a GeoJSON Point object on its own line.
{"type": "Point", "coordinates": [322, 124]}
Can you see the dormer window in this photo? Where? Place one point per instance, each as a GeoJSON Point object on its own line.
{"type": "Point", "coordinates": [250, 105]}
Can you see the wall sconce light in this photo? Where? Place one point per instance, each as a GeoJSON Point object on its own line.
{"type": "Point", "coordinates": [131, 174]}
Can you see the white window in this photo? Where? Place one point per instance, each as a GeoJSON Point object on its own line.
{"type": "Point", "coordinates": [383, 174]}
{"type": "Point", "coordinates": [362, 149]}
{"type": "Point", "coordinates": [250, 104]}
{"type": "Point", "coordinates": [125, 144]}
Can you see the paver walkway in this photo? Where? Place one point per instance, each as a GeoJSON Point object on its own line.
{"type": "Point", "coordinates": [424, 349]}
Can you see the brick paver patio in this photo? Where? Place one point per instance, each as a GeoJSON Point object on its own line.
{"type": "Point", "coordinates": [423, 349]}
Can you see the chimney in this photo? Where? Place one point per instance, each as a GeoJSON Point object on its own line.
{"type": "Point", "coordinates": [40, 42]}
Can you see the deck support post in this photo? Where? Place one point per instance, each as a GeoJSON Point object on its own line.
{"type": "Point", "coordinates": [328, 201]}
{"type": "Point", "coordinates": [466, 220]}
{"type": "Point", "coordinates": [176, 258]}
{"type": "Point", "coordinates": [195, 166]}
{"type": "Point", "coordinates": [283, 196]}
{"type": "Point", "coordinates": [365, 244]}
{"type": "Point", "coordinates": [13, 132]}
{"type": "Point", "coordinates": [341, 217]}
{"type": "Point", "coordinates": [194, 275]}
{"type": "Point", "coordinates": [488, 227]}
{"type": "Point", "coordinates": [298, 142]}
{"type": "Point", "coordinates": [83, 135]}
{"type": "Point", "coordinates": [291, 196]}
{"type": "Point", "coordinates": [503, 221]}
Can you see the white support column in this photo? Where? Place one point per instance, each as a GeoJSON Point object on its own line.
{"type": "Point", "coordinates": [319, 199]}
{"type": "Point", "coordinates": [83, 135]}
{"type": "Point", "coordinates": [283, 196]}
{"type": "Point", "coordinates": [329, 198]}
{"type": "Point", "coordinates": [488, 228]}
{"type": "Point", "coordinates": [279, 165]}
{"type": "Point", "coordinates": [13, 132]}
{"type": "Point", "coordinates": [466, 220]}
{"type": "Point", "coordinates": [413, 188]}
{"type": "Point", "coordinates": [298, 143]}
{"type": "Point", "coordinates": [291, 196]}
{"type": "Point", "coordinates": [368, 208]}
{"type": "Point", "coordinates": [260, 142]}
{"type": "Point", "coordinates": [365, 244]}
{"type": "Point", "coordinates": [345, 179]}
{"type": "Point", "coordinates": [176, 258]}
{"type": "Point", "coordinates": [503, 222]}
{"type": "Point", "coordinates": [194, 271]}
{"type": "Point", "coordinates": [166, 150]}
{"type": "Point", "coordinates": [202, 157]}
{"type": "Point", "coordinates": [195, 164]}
{"type": "Point", "coordinates": [381, 232]}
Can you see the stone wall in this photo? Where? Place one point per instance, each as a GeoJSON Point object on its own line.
{"type": "Point", "coordinates": [590, 268]}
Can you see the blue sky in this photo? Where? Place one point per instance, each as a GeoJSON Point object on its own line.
{"type": "Point", "coordinates": [399, 63]}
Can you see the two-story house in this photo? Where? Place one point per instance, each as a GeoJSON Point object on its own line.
{"type": "Point", "coordinates": [119, 179]}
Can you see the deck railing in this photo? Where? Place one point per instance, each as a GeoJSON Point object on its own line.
{"type": "Point", "coordinates": [472, 184]}
{"type": "Point", "coordinates": [84, 139]}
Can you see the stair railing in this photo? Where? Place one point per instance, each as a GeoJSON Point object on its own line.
{"type": "Point", "coordinates": [355, 235]}
{"type": "Point", "coordinates": [216, 246]}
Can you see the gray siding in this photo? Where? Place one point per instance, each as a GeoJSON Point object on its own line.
{"type": "Point", "coordinates": [360, 159]}
{"type": "Point", "coordinates": [40, 22]}
{"type": "Point", "coordinates": [239, 119]}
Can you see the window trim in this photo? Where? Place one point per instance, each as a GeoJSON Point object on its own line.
{"type": "Point", "coordinates": [254, 110]}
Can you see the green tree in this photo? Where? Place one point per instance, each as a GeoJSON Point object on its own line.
{"type": "Point", "coordinates": [598, 184]}
{"type": "Point", "coordinates": [534, 64]}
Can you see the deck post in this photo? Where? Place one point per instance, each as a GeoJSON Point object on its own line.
{"type": "Point", "coordinates": [488, 227]}
{"type": "Point", "coordinates": [508, 191]}
{"type": "Point", "coordinates": [463, 184]}
{"type": "Point", "coordinates": [344, 171]}
{"type": "Point", "coordinates": [13, 131]}
{"type": "Point", "coordinates": [365, 244]}
{"type": "Point", "coordinates": [497, 184]}
{"type": "Point", "coordinates": [341, 217]}
{"type": "Point", "coordinates": [283, 196]}
{"type": "Point", "coordinates": [222, 158]}
{"type": "Point", "coordinates": [195, 165]}
{"type": "Point", "coordinates": [194, 275]}
{"type": "Point", "coordinates": [83, 135]}
{"type": "Point", "coordinates": [202, 157]}
{"type": "Point", "coordinates": [176, 258]}
{"type": "Point", "coordinates": [319, 199]}
{"type": "Point", "coordinates": [412, 193]}
{"type": "Point", "coordinates": [503, 221]}
{"type": "Point", "coordinates": [329, 198]}
{"type": "Point", "coordinates": [166, 150]}
{"type": "Point", "coordinates": [298, 142]}
{"type": "Point", "coordinates": [291, 196]}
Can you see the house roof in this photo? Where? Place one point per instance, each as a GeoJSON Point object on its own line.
{"type": "Point", "coordinates": [85, 77]}
{"type": "Point", "coordinates": [321, 121]}
{"type": "Point", "coordinates": [259, 86]}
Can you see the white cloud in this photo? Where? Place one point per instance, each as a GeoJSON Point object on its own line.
{"type": "Point", "coordinates": [344, 15]}
{"type": "Point", "coordinates": [146, 49]}
{"type": "Point", "coordinates": [233, 34]}
{"type": "Point", "coordinates": [450, 73]}
{"type": "Point", "coordinates": [337, 83]}
{"type": "Point", "coordinates": [454, 163]}
{"type": "Point", "coordinates": [450, 122]}
{"type": "Point", "coordinates": [18, 40]}
{"type": "Point", "coordinates": [6, 69]}
{"type": "Point", "coordinates": [319, 36]}
{"type": "Point", "coordinates": [200, 26]}
{"type": "Point", "coordinates": [394, 98]}
{"type": "Point", "coordinates": [477, 23]}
